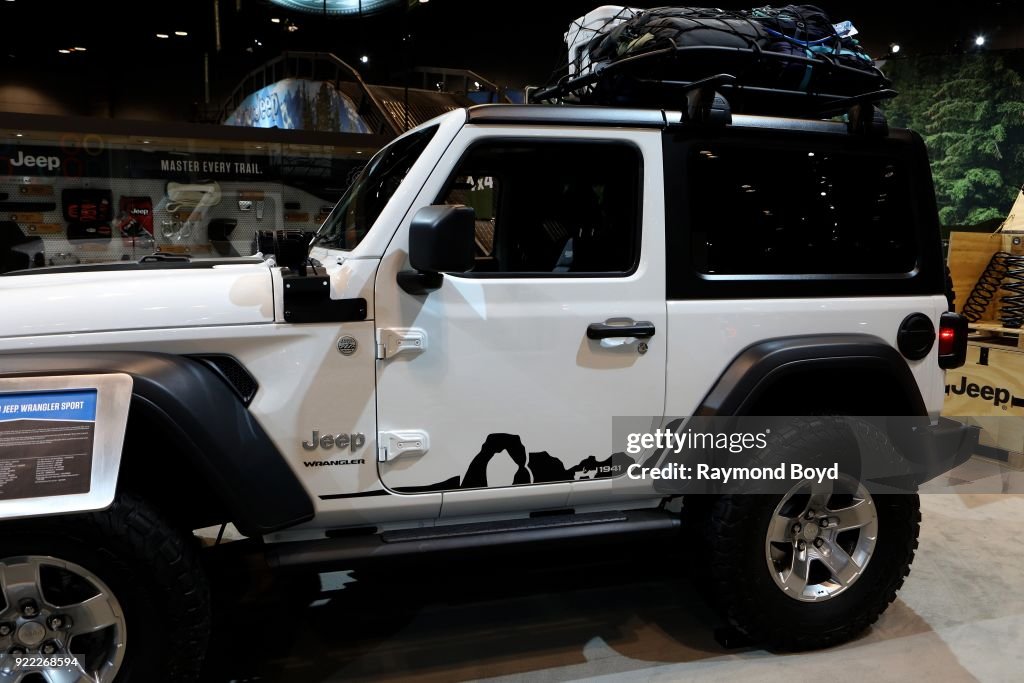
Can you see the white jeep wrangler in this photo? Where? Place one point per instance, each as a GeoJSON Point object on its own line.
{"type": "Point", "coordinates": [441, 368]}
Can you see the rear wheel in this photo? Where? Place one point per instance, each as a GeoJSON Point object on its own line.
{"type": "Point", "coordinates": [816, 566]}
{"type": "Point", "coordinates": [119, 592]}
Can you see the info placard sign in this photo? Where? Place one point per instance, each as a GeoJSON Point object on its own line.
{"type": "Point", "coordinates": [46, 443]}
{"type": "Point", "coordinates": [60, 442]}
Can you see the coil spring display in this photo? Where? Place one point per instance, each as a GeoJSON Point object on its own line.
{"type": "Point", "coordinates": [988, 286]}
{"type": "Point", "coordinates": [1011, 313]}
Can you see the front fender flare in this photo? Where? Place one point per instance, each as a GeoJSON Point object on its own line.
{"type": "Point", "coordinates": [220, 439]}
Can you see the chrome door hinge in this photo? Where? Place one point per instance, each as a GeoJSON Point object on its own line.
{"type": "Point", "coordinates": [406, 443]}
{"type": "Point", "coordinates": [391, 342]}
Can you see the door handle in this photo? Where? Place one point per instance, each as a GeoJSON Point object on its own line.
{"type": "Point", "coordinates": [639, 330]}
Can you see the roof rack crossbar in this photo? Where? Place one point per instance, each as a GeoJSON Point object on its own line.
{"type": "Point", "coordinates": [827, 104]}
{"type": "Point", "coordinates": [812, 102]}
{"type": "Point", "coordinates": [865, 98]}
{"type": "Point", "coordinates": [571, 85]}
{"type": "Point", "coordinates": [755, 53]}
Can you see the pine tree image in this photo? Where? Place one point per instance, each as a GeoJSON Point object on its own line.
{"type": "Point", "coordinates": [970, 111]}
{"type": "Point", "coordinates": [308, 121]}
{"type": "Point", "coordinates": [323, 108]}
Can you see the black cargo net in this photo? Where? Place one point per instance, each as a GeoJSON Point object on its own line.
{"type": "Point", "coordinates": [794, 48]}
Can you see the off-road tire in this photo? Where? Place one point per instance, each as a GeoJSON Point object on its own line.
{"type": "Point", "coordinates": [152, 569]}
{"type": "Point", "coordinates": [742, 586]}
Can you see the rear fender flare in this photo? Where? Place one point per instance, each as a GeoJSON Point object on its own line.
{"type": "Point", "coordinates": [760, 367]}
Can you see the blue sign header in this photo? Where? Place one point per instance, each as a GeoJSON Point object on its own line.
{"type": "Point", "coordinates": [78, 405]}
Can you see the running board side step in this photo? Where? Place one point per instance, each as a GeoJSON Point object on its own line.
{"type": "Point", "coordinates": [466, 536]}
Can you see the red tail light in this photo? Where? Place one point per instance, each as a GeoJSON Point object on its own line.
{"type": "Point", "coordinates": [952, 341]}
{"type": "Point", "coordinates": [947, 340]}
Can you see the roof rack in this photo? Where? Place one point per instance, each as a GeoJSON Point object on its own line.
{"type": "Point", "coordinates": [728, 79]}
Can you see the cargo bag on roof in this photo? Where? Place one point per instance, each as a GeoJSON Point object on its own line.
{"type": "Point", "coordinates": [615, 52]}
{"type": "Point", "coordinates": [589, 30]}
{"type": "Point", "coordinates": [676, 27]}
{"type": "Point", "coordinates": [806, 31]}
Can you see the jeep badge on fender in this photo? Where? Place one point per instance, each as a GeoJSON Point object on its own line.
{"type": "Point", "coordinates": [340, 441]}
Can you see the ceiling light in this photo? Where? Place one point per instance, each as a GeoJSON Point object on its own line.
{"type": "Point", "coordinates": [895, 48]}
{"type": "Point", "coordinates": [145, 142]}
{"type": "Point", "coordinates": [980, 41]}
{"type": "Point", "coordinates": [17, 135]}
{"type": "Point", "coordinates": [423, 2]}
{"type": "Point", "coordinates": [337, 7]}
{"type": "Point", "coordinates": [181, 33]}
{"type": "Point", "coordinates": [64, 52]}
{"type": "Point", "coordinates": [275, 20]}
{"type": "Point", "coordinates": [292, 28]}
{"type": "Point", "coordinates": [78, 49]}
{"type": "Point", "coordinates": [162, 35]}
{"type": "Point", "coordinates": [365, 59]}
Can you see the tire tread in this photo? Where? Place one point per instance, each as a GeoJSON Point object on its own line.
{"type": "Point", "coordinates": [728, 532]}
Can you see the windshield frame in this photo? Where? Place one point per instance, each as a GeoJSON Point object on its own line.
{"type": "Point", "coordinates": [414, 142]}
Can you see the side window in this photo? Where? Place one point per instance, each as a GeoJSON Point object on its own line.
{"type": "Point", "coordinates": [761, 209]}
{"type": "Point", "coordinates": [477, 192]}
{"type": "Point", "coordinates": [552, 208]}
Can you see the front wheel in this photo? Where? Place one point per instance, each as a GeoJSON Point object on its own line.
{"type": "Point", "coordinates": [819, 564]}
{"type": "Point", "coordinates": [111, 595]}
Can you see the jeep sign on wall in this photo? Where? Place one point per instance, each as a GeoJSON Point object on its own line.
{"type": "Point", "coordinates": [988, 392]}
{"type": "Point", "coordinates": [112, 162]}
{"type": "Point", "coordinates": [21, 160]}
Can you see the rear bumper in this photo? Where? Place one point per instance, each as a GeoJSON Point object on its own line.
{"type": "Point", "coordinates": [941, 447]}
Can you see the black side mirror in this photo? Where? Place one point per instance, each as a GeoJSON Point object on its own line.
{"type": "Point", "coordinates": [441, 240]}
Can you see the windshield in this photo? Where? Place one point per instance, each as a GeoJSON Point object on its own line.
{"type": "Point", "coordinates": [364, 200]}
{"type": "Point", "coordinates": [73, 199]}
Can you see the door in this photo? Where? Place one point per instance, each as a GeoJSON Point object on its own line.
{"type": "Point", "coordinates": [506, 402]}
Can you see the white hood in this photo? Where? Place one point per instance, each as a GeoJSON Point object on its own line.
{"type": "Point", "coordinates": [100, 300]}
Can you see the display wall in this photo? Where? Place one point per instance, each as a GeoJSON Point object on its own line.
{"type": "Point", "coordinates": [69, 197]}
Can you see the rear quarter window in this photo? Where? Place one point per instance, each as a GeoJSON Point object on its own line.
{"type": "Point", "coordinates": [799, 209]}
{"type": "Point", "coordinates": [759, 213]}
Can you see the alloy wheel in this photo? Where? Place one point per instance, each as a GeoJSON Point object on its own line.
{"type": "Point", "coordinates": [54, 608]}
{"type": "Point", "coordinates": [821, 538]}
